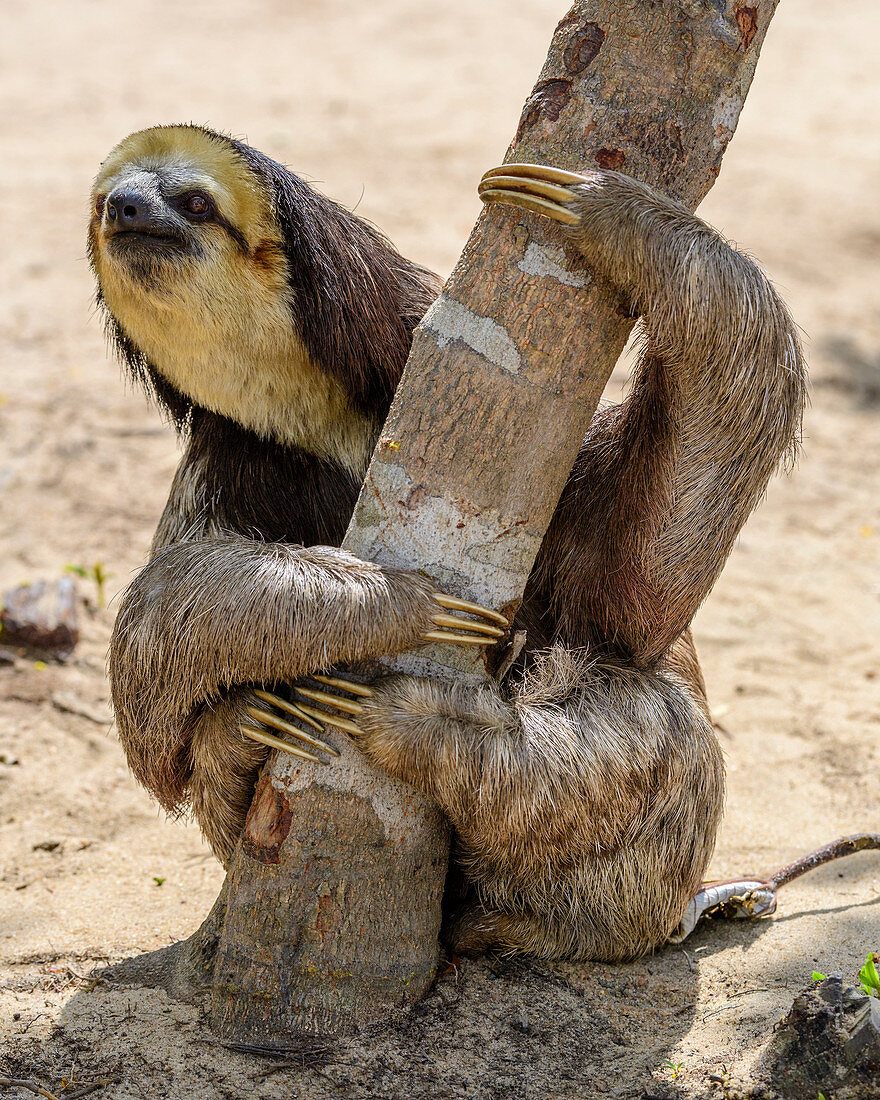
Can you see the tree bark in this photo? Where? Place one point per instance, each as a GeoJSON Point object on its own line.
{"type": "Point", "coordinates": [334, 894]}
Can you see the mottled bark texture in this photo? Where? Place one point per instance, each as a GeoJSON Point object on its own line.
{"type": "Point", "coordinates": [334, 894]}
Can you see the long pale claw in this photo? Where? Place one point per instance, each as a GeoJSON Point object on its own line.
{"type": "Point", "coordinates": [453, 604]}
{"type": "Point", "coordinates": [276, 743]}
{"type": "Point", "coordinates": [347, 705]}
{"type": "Point", "coordinates": [537, 171]}
{"type": "Point", "coordinates": [284, 704]}
{"type": "Point", "coordinates": [466, 624]}
{"type": "Point", "coordinates": [530, 202]}
{"type": "Point", "coordinates": [536, 187]}
{"type": "Point", "coordinates": [458, 639]}
{"type": "Point", "coordinates": [551, 191]}
{"type": "Point", "coordinates": [332, 720]}
{"type": "Point", "coordinates": [344, 685]}
{"type": "Point", "coordinates": [270, 719]}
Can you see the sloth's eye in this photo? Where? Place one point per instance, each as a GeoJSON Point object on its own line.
{"type": "Point", "coordinates": [99, 205]}
{"type": "Point", "coordinates": [196, 205]}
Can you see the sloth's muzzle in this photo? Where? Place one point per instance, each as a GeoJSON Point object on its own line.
{"type": "Point", "coordinates": [131, 211]}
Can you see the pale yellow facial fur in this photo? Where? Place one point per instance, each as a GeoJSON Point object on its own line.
{"type": "Point", "coordinates": [218, 326]}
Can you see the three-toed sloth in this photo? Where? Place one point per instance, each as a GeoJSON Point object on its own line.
{"type": "Point", "coordinates": [272, 325]}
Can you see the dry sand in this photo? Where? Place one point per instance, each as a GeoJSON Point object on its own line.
{"type": "Point", "coordinates": [399, 107]}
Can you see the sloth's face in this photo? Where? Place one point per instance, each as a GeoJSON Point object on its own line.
{"type": "Point", "coordinates": [191, 265]}
{"type": "Point", "coordinates": [173, 205]}
{"type": "Point", "coordinates": [184, 245]}
{"type": "Point", "coordinates": [159, 214]}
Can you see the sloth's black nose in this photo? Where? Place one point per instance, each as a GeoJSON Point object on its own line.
{"type": "Point", "coordinates": [128, 209]}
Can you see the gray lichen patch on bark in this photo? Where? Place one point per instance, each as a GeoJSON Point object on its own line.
{"type": "Point", "coordinates": [450, 539]}
{"type": "Point", "coordinates": [548, 261]}
{"type": "Point", "coordinates": [450, 320]}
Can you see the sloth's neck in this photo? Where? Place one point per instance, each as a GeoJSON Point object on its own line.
{"type": "Point", "coordinates": [284, 399]}
{"type": "Point", "coordinates": [266, 490]}
{"type": "Point", "coordinates": [264, 382]}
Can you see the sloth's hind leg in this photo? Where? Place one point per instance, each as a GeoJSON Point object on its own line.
{"type": "Point", "coordinates": [226, 764]}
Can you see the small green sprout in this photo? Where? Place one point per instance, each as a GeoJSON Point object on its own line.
{"type": "Point", "coordinates": [869, 979]}
{"type": "Point", "coordinates": [97, 575]}
{"type": "Point", "coordinates": [158, 880]}
{"type": "Point", "coordinates": [674, 1068]}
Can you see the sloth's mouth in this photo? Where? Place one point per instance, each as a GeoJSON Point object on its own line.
{"type": "Point", "coordinates": [148, 237]}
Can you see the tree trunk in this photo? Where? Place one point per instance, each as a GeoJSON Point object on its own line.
{"type": "Point", "coordinates": [334, 893]}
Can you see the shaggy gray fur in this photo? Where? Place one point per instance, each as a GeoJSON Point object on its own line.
{"type": "Point", "coordinates": [585, 806]}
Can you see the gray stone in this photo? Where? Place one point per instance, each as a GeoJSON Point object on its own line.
{"type": "Point", "coordinates": [828, 1043]}
{"type": "Point", "coordinates": [41, 617]}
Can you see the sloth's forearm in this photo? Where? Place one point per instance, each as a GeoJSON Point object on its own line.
{"type": "Point", "coordinates": [217, 612]}
{"type": "Point", "coordinates": [205, 616]}
{"type": "Point", "coordinates": [719, 397]}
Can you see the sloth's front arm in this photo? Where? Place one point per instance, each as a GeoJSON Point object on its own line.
{"type": "Point", "coordinates": [207, 616]}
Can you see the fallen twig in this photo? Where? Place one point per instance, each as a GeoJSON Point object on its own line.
{"type": "Point", "coordinates": [844, 846]}
{"type": "Point", "coordinates": [30, 1086]}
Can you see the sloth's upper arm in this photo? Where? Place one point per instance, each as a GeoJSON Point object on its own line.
{"type": "Point", "coordinates": [205, 616]}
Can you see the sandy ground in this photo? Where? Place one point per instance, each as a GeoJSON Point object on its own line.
{"type": "Point", "coordinates": [400, 107]}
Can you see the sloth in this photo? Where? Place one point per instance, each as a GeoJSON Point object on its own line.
{"type": "Point", "coordinates": [586, 786]}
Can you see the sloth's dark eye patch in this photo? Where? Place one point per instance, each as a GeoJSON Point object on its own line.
{"type": "Point", "coordinates": [100, 202]}
{"type": "Point", "coordinates": [195, 205]}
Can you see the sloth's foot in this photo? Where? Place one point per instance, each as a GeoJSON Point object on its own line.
{"type": "Point", "coordinates": [451, 628]}
{"type": "Point", "coordinates": [310, 714]}
{"type": "Point", "coordinates": [535, 187]}
{"type": "Point", "coordinates": [271, 719]}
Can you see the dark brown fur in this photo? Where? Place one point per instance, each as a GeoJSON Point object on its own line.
{"type": "Point", "coordinates": [586, 791]}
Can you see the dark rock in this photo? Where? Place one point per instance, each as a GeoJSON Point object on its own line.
{"type": "Point", "coordinates": [41, 617]}
{"type": "Point", "coordinates": [828, 1043]}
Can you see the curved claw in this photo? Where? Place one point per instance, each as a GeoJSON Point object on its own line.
{"type": "Point", "coordinates": [347, 705]}
{"type": "Point", "coordinates": [284, 704]}
{"type": "Point", "coordinates": [550, 191]}
{"type": "Point", "coordinates": [535, 203]}
{"type": "Point", "coordinates": [270, 719]}
{"type": "Point", "coordinates": [458, 639]}
{"type": "Point", "coordinates": [276, 743]}
{"type": "Point", "coordinates": [536, 187]}
{"type": "Point", "coordinates": [344, 685]}
{"type": "Point", "coordinates": [465, 624]}
{"type": "Point", "coordinates": [537, 171]}
{"type": "Point", "coordinates": [332, 720]}
{"type": "Point", "coordinates": [451, 603]}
